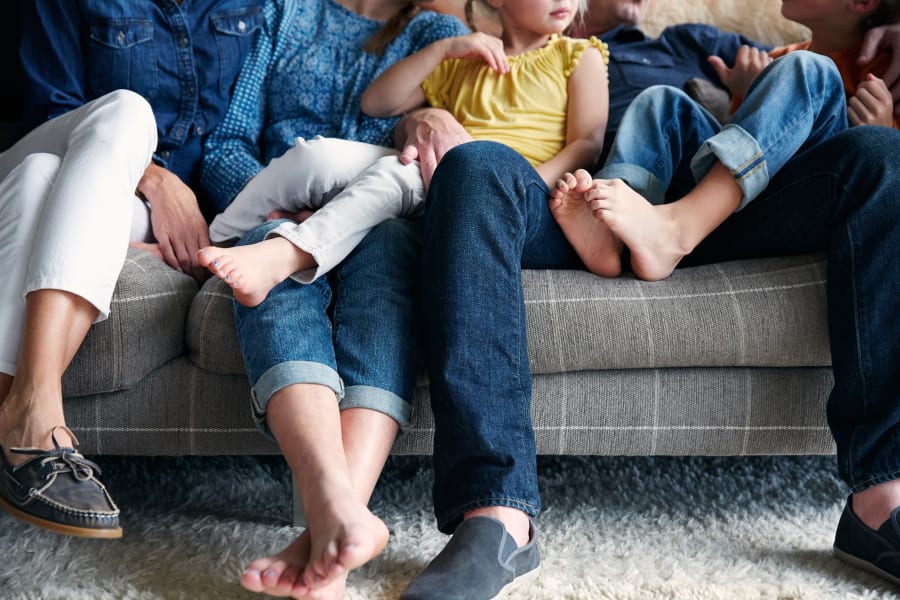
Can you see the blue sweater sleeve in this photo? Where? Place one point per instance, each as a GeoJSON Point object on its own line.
{"type": "Point", "coordinates": [52, 59]}
{"type": "Point", "coordinates": [232, 153]}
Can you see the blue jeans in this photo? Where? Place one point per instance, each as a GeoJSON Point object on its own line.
{"type": "Point", "coordinates": [487, 217]}
{"type": "Point", "coordinates": [354, 331]}
{"type": "Point", "coordinates": [667, 142]}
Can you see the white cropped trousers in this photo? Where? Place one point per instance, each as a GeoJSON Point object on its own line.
{"type": "Point", "coordinates": [67, 194]}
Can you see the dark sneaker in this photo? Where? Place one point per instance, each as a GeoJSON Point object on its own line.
{"type": "Point", "coordinates": [480, 561]}
{"type": "Point", "coordinates": [57, 490]}
{"type": "Point", "coordinates": [861, 546]}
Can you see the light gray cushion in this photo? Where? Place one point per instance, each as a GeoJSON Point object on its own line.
{"type": "Point", "coordinates": [145, 328]}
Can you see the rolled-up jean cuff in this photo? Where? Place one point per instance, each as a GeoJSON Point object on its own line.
{"type": "Point", "coordinates": [639, 179]}
{"type": "Point", "coordinates": [383, 401]}
{"type": "Point", "coordinates": [289, 373]}
{"type": "Point", "coordinates": [741, 155]}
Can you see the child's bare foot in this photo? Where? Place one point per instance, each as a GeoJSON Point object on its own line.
{"type": "Point", "coordinates": [344, 535]}
{"type": "Point", "coordinates": [649, 231]}
{"type": "Point", "coordinates": [252, 271]}
{"type": "Point", "coordinates": [282, 574]}
{"type": "Point", "coordinates": [595, 244]}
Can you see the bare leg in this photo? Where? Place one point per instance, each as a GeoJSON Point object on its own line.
{"type": "Point", "coordinates": [56, 323]}
{"type": "Point", "coordinates": [336, 461]}
{"type": "Point", "coordinates": [253, 270]}
{"type": "Point", "coordinates": [874, 505]}
{"type": "Point", "coordinates": [595, 244]}
{"type": "Point", "coordinates": [515, 521]}
{"type": "Point", "coordinates": [659, 236]}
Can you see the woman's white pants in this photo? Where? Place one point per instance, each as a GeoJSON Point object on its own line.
{"type": "Point", "coordinates": [67, 194]}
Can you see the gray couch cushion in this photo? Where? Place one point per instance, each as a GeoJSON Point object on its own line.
{"type": "Point", "coordinates": [753, 313]}
{"type": "Point", "coordinates": [145, 328]}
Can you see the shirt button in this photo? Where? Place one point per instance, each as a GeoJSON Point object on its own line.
{"type": "Point", "coordinates": [199, 130]}
{"type": "Point", "coordinates": [184, 42]}
{"type": "Point", "coordinates": [165, 153]}
{"type": "Point", "coordinates": [242, 26]}
{"type": "Point", "coordinates": [121, 37]}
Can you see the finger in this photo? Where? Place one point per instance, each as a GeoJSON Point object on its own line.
{"type": "Point", "coordinates": [870, 45]}
{"type": "Point", "coordinates": [168, 254]}
{"type": "Point", "coordinates": [409, 154]}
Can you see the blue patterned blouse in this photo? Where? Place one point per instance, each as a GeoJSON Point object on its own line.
{"type": "Point", "coordinates": [304, 77]}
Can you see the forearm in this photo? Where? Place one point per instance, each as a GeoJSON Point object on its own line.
{"type": "Point", "coordinates": [580, 154]}
{"type": "Point", "coordinates": [399, 88]}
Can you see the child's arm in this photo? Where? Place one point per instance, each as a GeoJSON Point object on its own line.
{"type": "Point", "coordinates": [872, 104]}
{"type": "Point", "coordinates": [399, 88]}
{"type": "Point", "coordinates": [587, 112]}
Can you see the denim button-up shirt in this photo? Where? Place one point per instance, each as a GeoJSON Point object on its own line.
{"type": "Point", "coordinates": [183, 59]}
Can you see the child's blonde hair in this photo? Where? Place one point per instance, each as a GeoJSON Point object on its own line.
{"type": "Point", "coordinates": [470, 11]}
{"type": "Point", "coordinates": [394, 26]}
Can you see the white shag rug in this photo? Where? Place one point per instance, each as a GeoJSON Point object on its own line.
{"type": "Point", "coordinates": [612, 528]}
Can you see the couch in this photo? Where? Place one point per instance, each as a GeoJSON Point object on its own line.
{"type": "Point", "coordinates": [723, 359]}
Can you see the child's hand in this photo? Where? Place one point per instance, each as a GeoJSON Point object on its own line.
{"type": "Point", "coordinates": [479, 45]}
{"type": "Point", "coordinates": [872, 104]}
{"type": "Point", "coordinates": [748, 63]}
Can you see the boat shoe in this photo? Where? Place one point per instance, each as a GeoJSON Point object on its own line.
{"type": "Point", "coordinates": [875, 551]}
{"type": "Point", "coordinates": [58, 490]}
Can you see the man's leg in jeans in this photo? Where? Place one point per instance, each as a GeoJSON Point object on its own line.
{"type": "Point", "coordinates": [842, 197]}
{"type": "Point", "coordinates": [486, 219]}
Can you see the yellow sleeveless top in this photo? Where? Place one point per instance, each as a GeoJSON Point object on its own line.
{"type": "Point", "coordinates": [524, 108]}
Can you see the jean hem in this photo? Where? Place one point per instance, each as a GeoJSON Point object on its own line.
{"type": "Point", "coordinates": [740, 153]}
{"type": "Point", "coordinates": [871, 482]}
{"type": "Point", "coordinates": [289, 373]}
{"type": "Point", "coordinates": [380, 400]}
{"type": "Point", "coordinates": [448, 522]}
{"type": "Point", "coordinates": [638, 179]}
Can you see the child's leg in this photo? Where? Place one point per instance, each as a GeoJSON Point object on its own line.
{"type": "Point", "coordinates": [384, 190]}
{"type": "Point", "coordinates": [387, 189]}
{"type": "Point", "coordinates": [304, 177]}
{"type": "Point", "coordinates": [797, 102]}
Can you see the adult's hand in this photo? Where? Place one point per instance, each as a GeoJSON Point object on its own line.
{"type": "Point", "coordinates": [428, 134]}
{"type": "Point", "coordinates": [886, 37]}
{"type": "Point", "coordinates": [178, 225]}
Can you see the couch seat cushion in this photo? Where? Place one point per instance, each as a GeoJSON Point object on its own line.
{"type": "Point", "coordinates": [145, 328]}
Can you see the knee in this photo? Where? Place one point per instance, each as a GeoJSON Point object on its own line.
{"type": "Point", "coordinates": [472, 160]}
{"type": "Point", "coordinates": [40, 165]}
{"type": "Point", "coordinates": [809, 66]}
{"type": "Point", "coordinates": [128, 112]}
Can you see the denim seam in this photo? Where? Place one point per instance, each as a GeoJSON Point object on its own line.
{"type": "Point", "coordinates": [459, 512]}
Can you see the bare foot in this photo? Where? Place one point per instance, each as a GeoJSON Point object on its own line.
{"type": "Point", "coordinates": [649, 231]}
{"type": "Point", "coordinates": [595, 244]}
{"type": "Point", "coordinates": [252, 271]}
{"type": "Point", "coordinates": [344, 535]}
{"type": "Point", "coordinates": [282, 574]}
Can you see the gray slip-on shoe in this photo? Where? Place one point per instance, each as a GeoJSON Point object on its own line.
{"type": "Point", "coordinates": [875, 551]}
{"type": "Point", "coordinates": [480, 561]}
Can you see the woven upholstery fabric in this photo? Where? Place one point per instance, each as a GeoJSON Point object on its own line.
{"type": "Point", "coordinates": [145, 328]}
{"type": "Point", "coordinates": [753, 313]}
{"type": "Point", "coordinates": [181, 409]}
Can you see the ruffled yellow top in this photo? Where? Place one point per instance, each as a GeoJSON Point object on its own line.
{"type": "Point", "coordinates": [524, 108]}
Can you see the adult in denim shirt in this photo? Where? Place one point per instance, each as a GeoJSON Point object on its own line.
{"type": "Point", "coordinates": [109, 84]}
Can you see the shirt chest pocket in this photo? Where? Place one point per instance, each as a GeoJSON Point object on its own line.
{"type": "Point", "coordinates": [122, 55]}
{"type": "Point", "coordinates": [641, 68]}
{"type": "Point", "coordinates": [233, 31]}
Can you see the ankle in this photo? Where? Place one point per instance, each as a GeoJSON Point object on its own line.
{"type": "Point", "coordinates": [874, 505]}
{"type": "Point", "coordinates": [514, 520]}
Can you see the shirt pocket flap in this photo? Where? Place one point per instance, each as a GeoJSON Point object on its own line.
{"type": "Point", "coordinates": [122, 33]}
{"type": "Point", "coordinates": [643, 57]}
{"type": "Point", "coordinates": [237, 22]}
